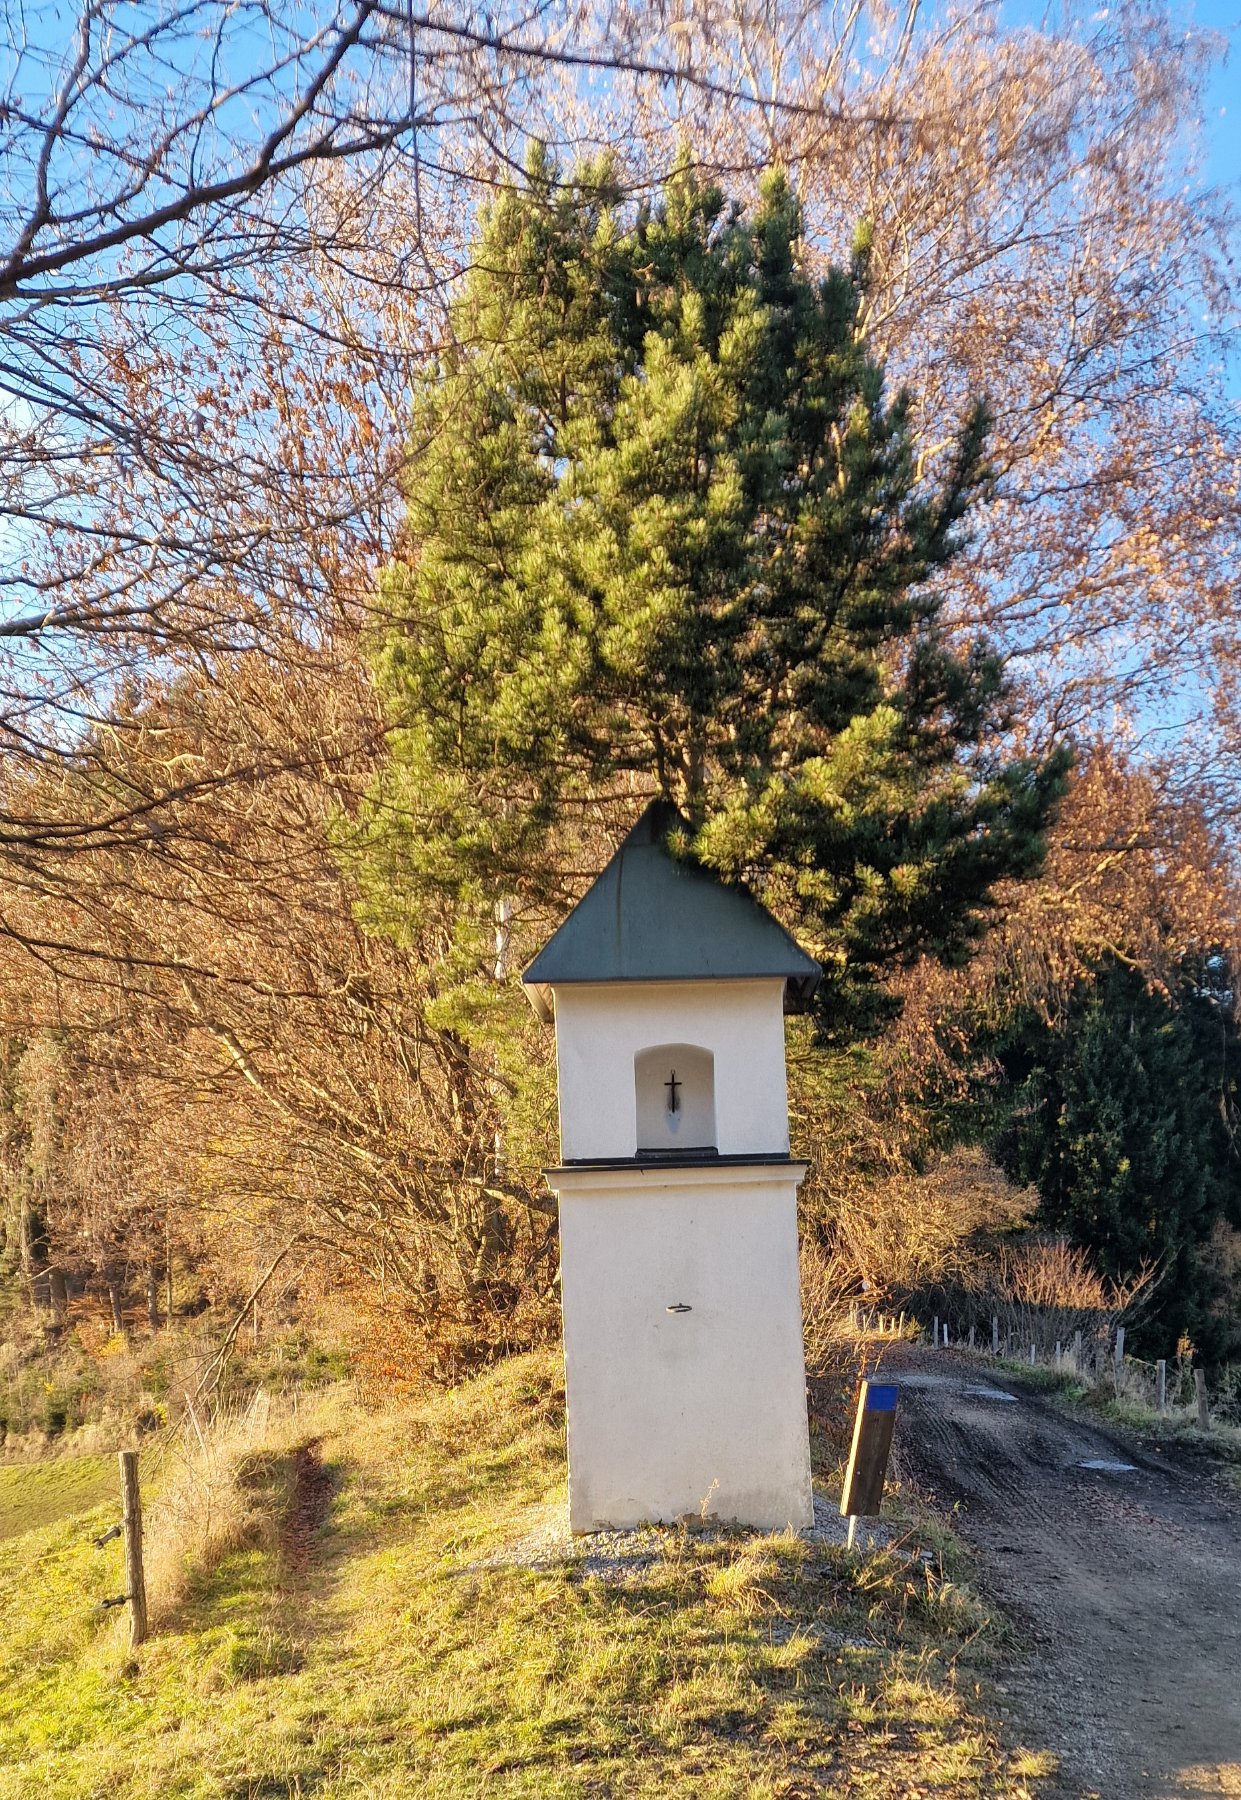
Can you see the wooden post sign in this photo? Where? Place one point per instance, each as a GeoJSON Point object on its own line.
{"type": "Point", "coordinates": [868, 1457]}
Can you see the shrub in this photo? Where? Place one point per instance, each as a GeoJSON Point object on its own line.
{"type": "Point", "coordinates": [909, 1232]}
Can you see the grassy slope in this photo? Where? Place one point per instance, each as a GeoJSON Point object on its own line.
{"type": "Point", "coordinates": [1180, 1422]}
{"type": "Point", "coordinates": [34, 1494]}
{"type": "Point", "coordinates": [395, 1664]}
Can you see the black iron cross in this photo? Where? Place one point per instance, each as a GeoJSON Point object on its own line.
{"type": "Point", "coordinates": [672, 1087]}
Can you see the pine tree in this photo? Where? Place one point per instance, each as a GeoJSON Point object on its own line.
{"type": "Point", "coordinates": [667, 534]}
{"type": "Point", "coordinates": [1124, 1123]}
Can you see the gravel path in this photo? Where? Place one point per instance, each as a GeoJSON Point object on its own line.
{"type": "Point", "coordinates": [1121, 1562]}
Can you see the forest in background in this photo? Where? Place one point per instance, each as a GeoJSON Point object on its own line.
{"type": "Point", "coordinates": [265, 898]}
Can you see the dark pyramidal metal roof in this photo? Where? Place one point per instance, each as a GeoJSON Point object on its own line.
{"type": "Point", "coordinates": [651, 917]}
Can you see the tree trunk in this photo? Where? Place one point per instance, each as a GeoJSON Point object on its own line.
{"type": "Point", "coordinates": [114, 1301]}
{"type": "Point", "coordinates": [153, 1319]}
{"type": "Point", "coordinates": [59, 1290]}
{"type": "Point", "coordinates": [167, 1272]}
{"type": "Point", "coordinates": [25, 1249]}
{"type": "Point", "coordinates": [32, 1246]}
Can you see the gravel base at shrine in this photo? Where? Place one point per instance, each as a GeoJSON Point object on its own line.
{"type": "Point", "coordinates": [618, 1555]}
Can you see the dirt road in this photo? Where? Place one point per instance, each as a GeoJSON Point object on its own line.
{"type": "Point", "coordinates": [1125, 1582]}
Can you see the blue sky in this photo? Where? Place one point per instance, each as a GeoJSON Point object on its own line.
{"type": "Point", "coordinates": [1223, 111]}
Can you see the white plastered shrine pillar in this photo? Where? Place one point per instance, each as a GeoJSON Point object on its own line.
{"type": "Point", "coordinates": [684, 1361]}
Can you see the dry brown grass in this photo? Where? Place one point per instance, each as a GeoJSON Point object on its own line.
{"type": "Point", "coordinates": [423, 1655]}
{"type": "Point", "coordinates": [219, 1489]}
{"type": "Point", "coordinates": [838, 1357]}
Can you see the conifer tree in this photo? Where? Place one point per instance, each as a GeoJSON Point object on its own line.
{"type": "Point", "coordinates": [1124, 1120]}
{"type": "Point", "coordinates": [668, 534]}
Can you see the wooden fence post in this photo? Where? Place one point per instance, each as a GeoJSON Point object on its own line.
{"type": "Point", "coordinates": [1120, 1345]}
{"type": "Point", "coordinates": [995, 1334]}
{"type": "Point", "coordinates": [1077, 1352]}
{"type": "Point", "coordinates": [1200, 1389]}
{"type": "Point", "coordinates": [935, 1331]}
{"type": "Point", "coordinates": [1161, 1386]}
{"type": "Point", "coordinates": [131, 1524]}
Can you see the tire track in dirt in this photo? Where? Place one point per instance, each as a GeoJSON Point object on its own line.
{"type": "Point", "coordinates": [309, 1500]}
{"type": "Point", "coordinates": [1125, 1586]}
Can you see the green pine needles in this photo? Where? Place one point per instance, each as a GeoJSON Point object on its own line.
{"type": "Point", "coordinates": [667, 534]}
{"type": "Point", "coordinates": [1124, 1116]}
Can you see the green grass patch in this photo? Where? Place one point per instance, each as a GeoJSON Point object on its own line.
{"type": "Point", "coordinates": [1042, 1379]}
{"type": "Point", "coordinates": [40, 1493]}
{"type": "Point", "coordinates": [415, 1654]}
{"type": "Point", "coordinates": [1099, 1401]}
{"type": "Point", "coordinates": [1222, 1441]}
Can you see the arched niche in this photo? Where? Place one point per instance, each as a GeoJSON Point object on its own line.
{"type": "Point", "coordinates": [675, 1091]}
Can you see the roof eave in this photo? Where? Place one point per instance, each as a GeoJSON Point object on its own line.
{"type": "Point", "coordinates": [540, 997]}
{"type": "Point", "coordinates": [798, 989]}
